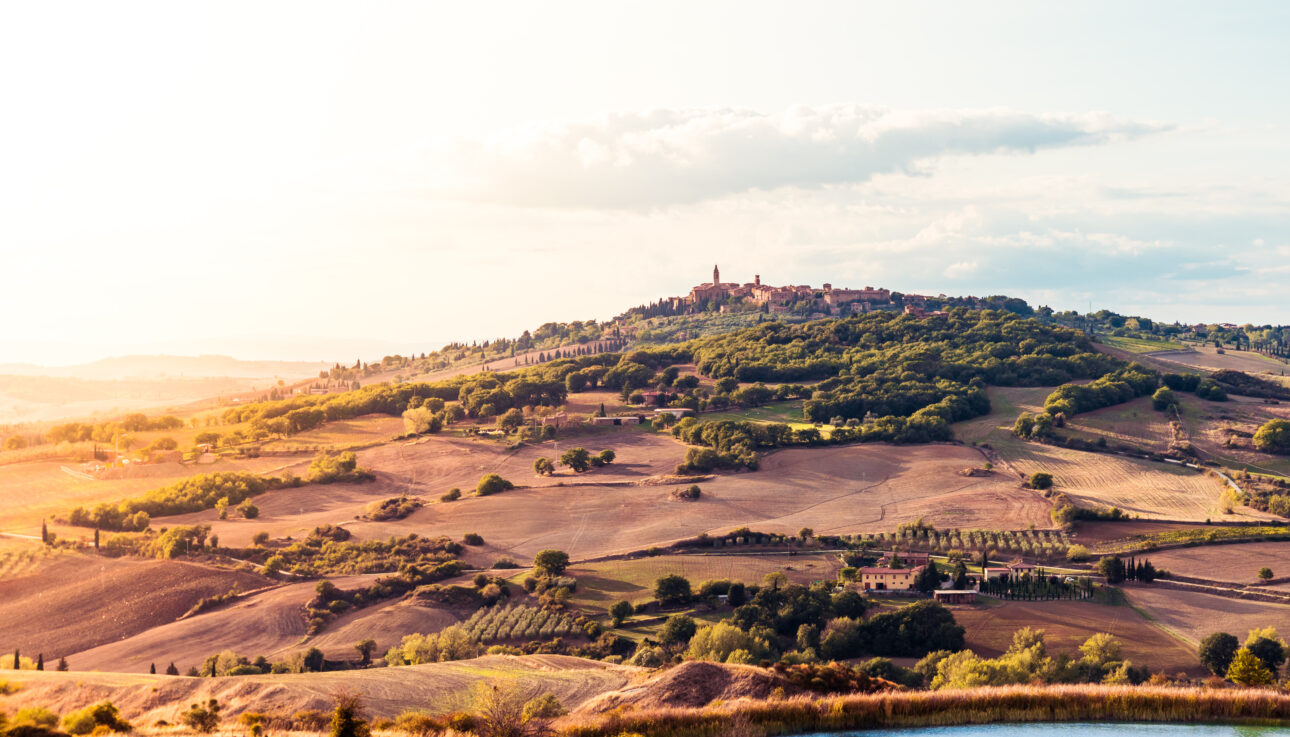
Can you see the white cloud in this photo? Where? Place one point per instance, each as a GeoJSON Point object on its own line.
{"type": "Point", "coordinates": [667, 157]}
{"type": "Point", "coordinates": [961, 269]}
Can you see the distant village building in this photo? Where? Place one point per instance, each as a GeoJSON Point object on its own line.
{"type": "Point", "coordinates": [877, 578]}
{"type": "Point", "coordinates": [825, 301]}
{"type": "Point", "coordinates": [559, 419]}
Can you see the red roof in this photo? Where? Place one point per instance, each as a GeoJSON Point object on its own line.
{"type": "Point", "coordinates": [875, 569]}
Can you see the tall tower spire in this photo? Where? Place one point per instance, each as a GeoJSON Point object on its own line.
{"type": "Point", "coordinates": [716, 274]}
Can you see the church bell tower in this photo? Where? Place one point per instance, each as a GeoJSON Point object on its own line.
{"type": "Point", "coordinates": [716, 274]}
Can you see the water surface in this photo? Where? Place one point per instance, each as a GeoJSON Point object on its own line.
{"type": "Point", "coordinates": [1069, 729]}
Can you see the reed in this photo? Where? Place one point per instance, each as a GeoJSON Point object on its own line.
{"type": "Point", "coordinates": [1067, 703]}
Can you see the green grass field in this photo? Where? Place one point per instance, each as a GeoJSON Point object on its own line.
{"type": "Point", "coordinates": [1138, 345]}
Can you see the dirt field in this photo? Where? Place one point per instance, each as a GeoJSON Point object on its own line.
{"type": "Point", "coordinates": [74, 602]}
{"type": "Point", "coordinates": [1233, 563]}
{"type": "Point", "coordinates": [1207, 358]}
{"type": "Point", "coordinates": [437, 688]}
{"type": "Point", "coordinates": [1068, 624]}
{"type": "Point", "coordinates": [832, 490]}
{"type": "Point", "coordinates": [1143, 488]}
{"type": "Point", "coordinates": [1195, 615]}
{"type": "Point", "coordinates": [271, 624]}
{"type": "Point", "coordinates": [601, 584]}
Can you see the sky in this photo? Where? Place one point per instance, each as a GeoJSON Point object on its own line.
{"type": "Point", "coordinates": [316, 181]}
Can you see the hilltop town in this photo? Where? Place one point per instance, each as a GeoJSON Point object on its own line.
{"type": "Point", "coordinates": [824, 301]}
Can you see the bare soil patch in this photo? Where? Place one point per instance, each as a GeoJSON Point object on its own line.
{"type": "Point", "coordinates": [1067, 624]}
{"type": "Point", "coordinates": [271, 624]}
{"type": "Point", "coordinates": [1231, 563]}
{"type": "Point", "coordinates": [77, 602]}
{"type": "Point", "coordinates": [1194, 615]}
{"type": "Point", "coordinates": [625, 508]}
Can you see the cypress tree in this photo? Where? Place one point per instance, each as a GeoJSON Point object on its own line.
{"type": "Point", "coordinates": [152, 669]}
{"type": "Point", "coordinates": [17, 664]}
{"type": "Point", "coordinates": [40, 661]}
{"type": "Point", "coordinates": [62, 665]}
{"type": "Point", "coordinates": [171, 670]}
{"type": "Point", "coordinates": [44, 532]}
{"type": "Point", "coordinates": [96, 538]}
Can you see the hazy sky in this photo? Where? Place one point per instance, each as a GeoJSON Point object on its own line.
{"type": "Point", "coordinates": [308, 180]}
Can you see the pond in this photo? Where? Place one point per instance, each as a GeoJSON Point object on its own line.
{"type": "Point", "coordinates": [1072, 729]}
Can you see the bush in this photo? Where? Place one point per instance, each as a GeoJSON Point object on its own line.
{"type": "Point", "coordinates": [546, 706]}
{"type": "Point", "coordinates": [451, 496]}
{"type": "Point", "coordinates": [102, 714]}
{"type": "Point", "coordinates": [472, 538]}
{"type": "Point", "coordinates": [37, 716]}
{"type": "Point", "coordinates": [620, 611]}
{"type": "Point", "coordinates": [202, 718]}
{"type": "Point", "coordinates": [1041, 480]}
{"type": "Point", "coordinates": [492, 484]}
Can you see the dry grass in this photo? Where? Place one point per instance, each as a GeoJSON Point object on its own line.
{"type": "Point", "coordinates": [941, 708]}
{"type": "Point", "coordinates": [386, 692]}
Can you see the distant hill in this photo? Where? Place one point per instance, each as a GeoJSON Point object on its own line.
{"type": "Point", "coordinates": [155, 367]}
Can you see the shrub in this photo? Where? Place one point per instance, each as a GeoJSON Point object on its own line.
{"type": "Point", "coordinates": [37, 716]}
{"type": "Point", "coordinates": [492, 484]}
{"type": "Point", "coordinates": [418, 724]}
{"type": "Point", "coordinates": [546, 706]}
{"type": "Point", "coordinates": [102, 714]}
{"type": "Point", "coordinates": [1077, 553]}
{"type": "Point", "coordinates": [329, 467]}
{"type": "Point", "coordinates": [347, 719]}
{"type": "Point", "coordinates": [202, 718]}
{"type": "Point", "coordinates": [451, 496]}
{"type": "Point", "coordinates": [472, 538]}
{"type": "Point", "coordinates": [620, 611]}
{"type": "Point", "coordinates": [1041, 480]}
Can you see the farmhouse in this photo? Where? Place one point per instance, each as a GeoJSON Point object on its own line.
{"type": "Point", "coordinates": [907, 559]}
{"type": "Point", "coordinates": [878, 578]}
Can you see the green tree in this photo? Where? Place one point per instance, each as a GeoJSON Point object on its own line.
{"type": "Point", "coordinates": [620, 611]}
{"type": "Point", "coordinates": [1163, 399]}
{"type": "Point", "coordinates": [551, 562]}
{"type": "Point", "coordinates": [1247, 670]}
{"type": "Point", "coordinates": [672, 589]}
{"type": "Point", "coordinates": [1265, 573]}
{"type": "Point", "coordinates": [928, 579]}
{"type": "Point", "coordinates": [1112, 568]}
{"type": "Point", "coordinates": [579, 459]}
{"type": "Point", "coordinates": [1273, 437]}
{"type": "Point", "coordinates": [510, 420]}
{"type": "Point", "coordinates": [677, 630]}
{"type": "Point", "coordinates": [1267, 646]}
{"type": "Point", "coordinates": [543, 467]}
{"type": "Point", "coordinates": [1041, 480]}
{"type": "Point", "coordinates": [365, 649]}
